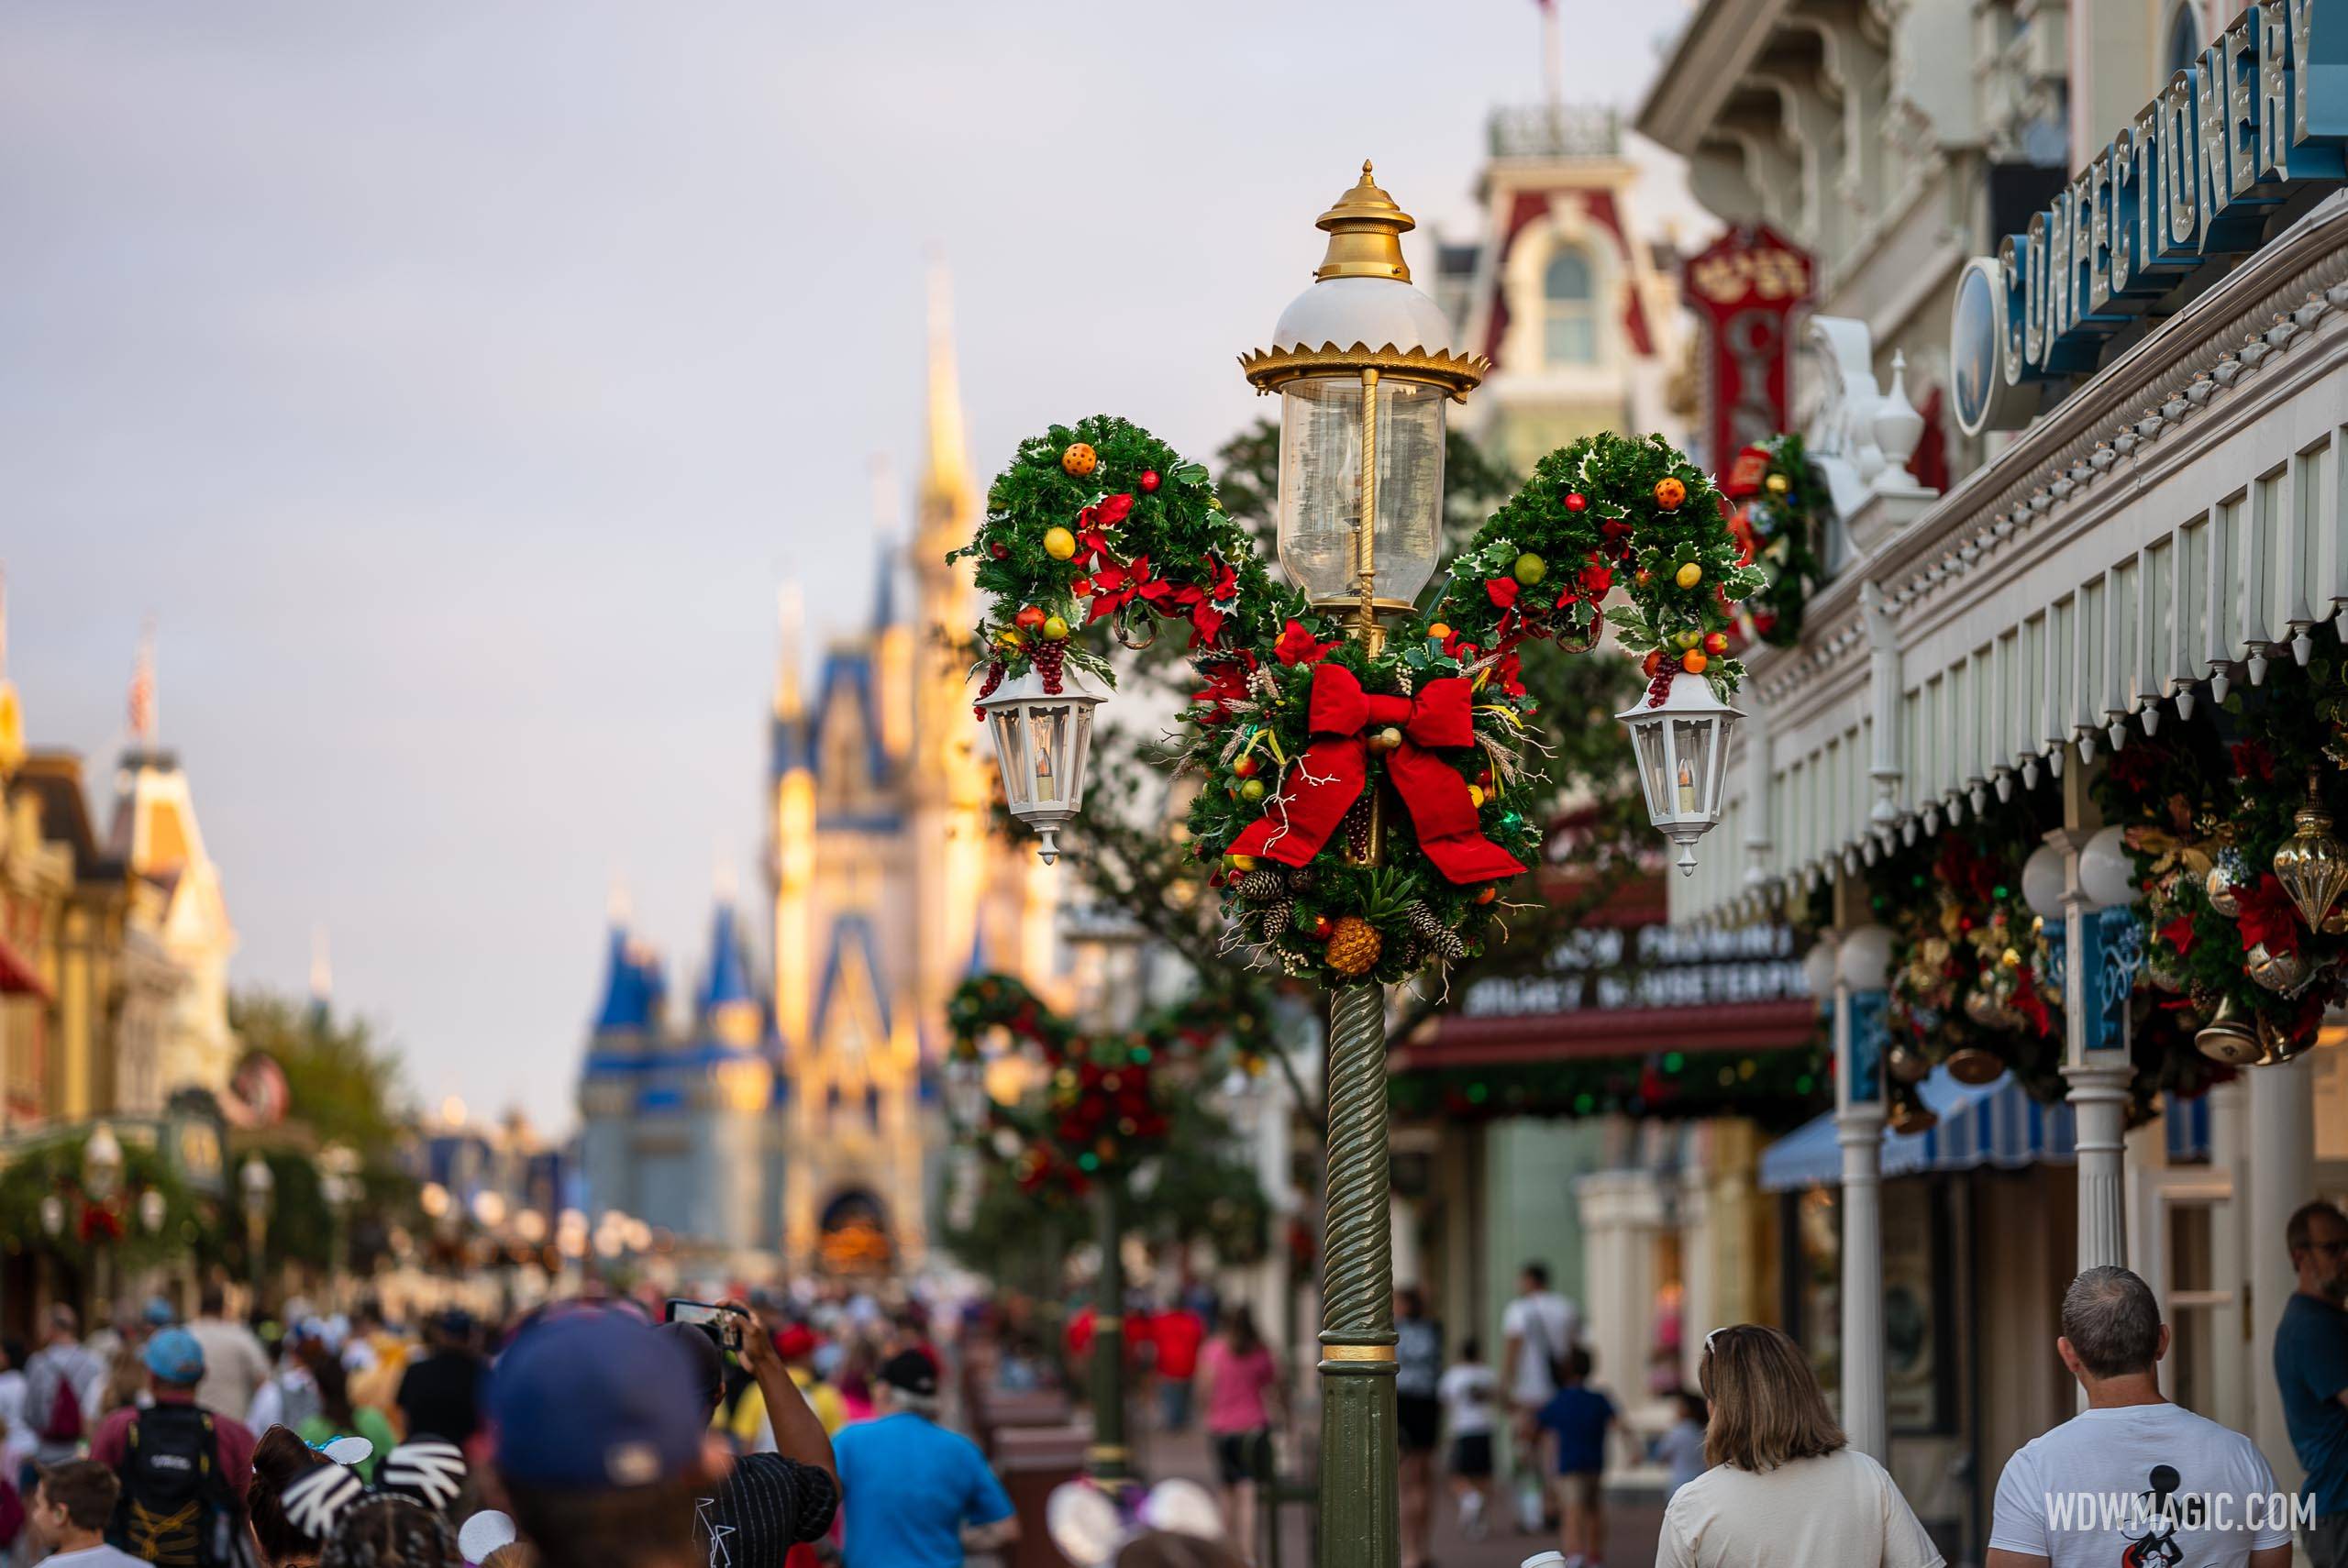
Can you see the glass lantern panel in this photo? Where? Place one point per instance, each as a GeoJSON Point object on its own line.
{"type": "Point", "coordinates": [1078, 753]}
{"type": "Point", "coordinates": [1647, 740]}
{"type": "Point", "coordinates": [1010, 755]}
{"type": "Point", "coordinates": [1320, 499]}
{"type": "Point", "coordinates": [1048, 745]}
{"type": "Point", "coordinates": [1691, 748]}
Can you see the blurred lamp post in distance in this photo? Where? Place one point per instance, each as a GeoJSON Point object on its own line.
{"type": "Point", "coordinates": [260, 1186]}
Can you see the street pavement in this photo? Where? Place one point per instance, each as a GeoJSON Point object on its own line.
{"type": "Point", "coordinates": [1633, 1519]}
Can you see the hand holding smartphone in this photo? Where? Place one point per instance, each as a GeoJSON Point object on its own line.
{"type": "Point", "coordinates": [724, 1322]}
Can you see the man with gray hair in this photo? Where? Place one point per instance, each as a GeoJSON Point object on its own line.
{"type": "Point", "coordinates": [2134, 1479]}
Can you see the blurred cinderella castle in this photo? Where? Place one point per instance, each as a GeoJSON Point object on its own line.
{"type": "Point", "coordinates": [797, 1117]}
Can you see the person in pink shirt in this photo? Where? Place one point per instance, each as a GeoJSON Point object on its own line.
{"type": "Point", "coordinates": [1244, 1401]}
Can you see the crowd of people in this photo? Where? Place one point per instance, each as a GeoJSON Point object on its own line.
{"type": "Point", "coordinates": [607, 1433]}
{"type": "Point", "coordinates": [614, 1433]}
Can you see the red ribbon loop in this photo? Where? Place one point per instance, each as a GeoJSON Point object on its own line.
{"type": "Point", "coordinates": [1316, 794]}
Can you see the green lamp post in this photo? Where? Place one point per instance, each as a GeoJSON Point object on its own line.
{"type": "Point", "coordinates": [1360, 528]}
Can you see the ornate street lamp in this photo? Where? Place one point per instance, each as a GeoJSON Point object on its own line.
{"type": "Point", "coordinates": [101, 1179]}
{"type": "Point", "coordinates": [1042, 726]}
{"type": "Point", "coordinates": [260, 1188]}
{"type": "Point", "coordinates": [1365, 369]}
{"type": "Point", "coordinates": [153, 1210]}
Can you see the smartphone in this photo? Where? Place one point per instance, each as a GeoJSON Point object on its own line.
{"type": "Point", "coordinates": [724, 1322]}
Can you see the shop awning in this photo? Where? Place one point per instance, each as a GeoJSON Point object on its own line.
{"type": "Point", "coordinates": [1994, 1124]}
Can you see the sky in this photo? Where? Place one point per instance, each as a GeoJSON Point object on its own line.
{"type": "Point", "coordinates": [454, 384]}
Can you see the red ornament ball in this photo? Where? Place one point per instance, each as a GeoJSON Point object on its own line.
{"type": "Point", "coordinates": [1322, 927]}
{"type": "Point", "coordinates": [998, 549]}
{"type": "Point", "coordinates": [1716, 642]}
{"type": "Point", "coordinates": [1028, 618]}
{"type": "Point", "coordinates": [1576, 501]}
{"type": "Point", "coordinates": [1149, 481]}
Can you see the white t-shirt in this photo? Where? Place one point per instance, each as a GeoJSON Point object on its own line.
{"type": "Point", "coordinates": [1839, 1508]}
{"type": "Point", "coordinates": [98, 1556]}
{"type": "Point", "coordinates": [2084, 1493]}
{"type": "Point", "coordinates": [1545, 1327]}
{"type": "Point", "coordinates": [1466, 1393]}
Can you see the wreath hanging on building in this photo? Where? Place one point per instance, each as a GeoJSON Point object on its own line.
{"type": "Point", "coordinates": [1295, 728]}
{"type": "Point", "coordinates": [2230, 821]}
{"type": "Point", "coordinates": [1781, 505]}
{"type": "Point", "coordinates": [1101, 1105]}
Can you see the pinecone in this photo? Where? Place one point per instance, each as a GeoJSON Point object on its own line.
{"type": "Point", "coordinates": [1278, 920]}
{"type": "Point", "coordinates": [1261, 886]}
{"type": "Point", "coordinates": [1449, 946]}
{"type": "Point", "coordinates": [1424, 920]}
{"type": "Point", "coordinates": [1357, 826]}
{"type": "Point", "coordinates": [1050, 658]}
{"type": "Point", "coordinates": [1409, 953]}
{"type": "Point", "coordinates": [1353, 946]}
{"type": "Point", "coordinates": [1304, 878]}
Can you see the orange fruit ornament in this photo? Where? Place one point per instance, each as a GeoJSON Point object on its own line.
{"type": "Point", "coordinates": [1693, 662]}
{"type": "Point", "coordinates": [1080, 460]}
{"type": "Point", "coordinates": [1670, 492]}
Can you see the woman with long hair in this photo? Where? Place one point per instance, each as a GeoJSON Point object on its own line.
{"type": "Point", "coordinates": [279, 1459]}
{"type": "Point", "coordinates": [1785, 1489]}
{"type": "Point", "coordinates": [1244, 1400]}
{"type": "Point", "coordinates": [337, 1416]}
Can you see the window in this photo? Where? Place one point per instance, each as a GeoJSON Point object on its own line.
{"type": "Point", "coordinates": [2184, 40]}
{"type": "Point", "coordinates": [1570, 323]}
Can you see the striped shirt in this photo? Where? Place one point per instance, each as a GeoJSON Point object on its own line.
{"type": "Point", "coordinates": [765, 1505]}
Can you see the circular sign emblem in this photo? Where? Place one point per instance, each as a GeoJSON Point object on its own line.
{"type": "Point", "coordinates": [1979, 323]}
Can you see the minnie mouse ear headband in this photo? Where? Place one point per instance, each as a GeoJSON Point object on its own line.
{"type": "Point", "coordinates": [485, 1532]}
{"type": "Point", "coordinates": [1090, 1525]}
{"type": "Point", "coordinates": [428, 1472]}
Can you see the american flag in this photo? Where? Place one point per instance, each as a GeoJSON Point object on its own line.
{"type": "Point", "coordinates": [142, 689]}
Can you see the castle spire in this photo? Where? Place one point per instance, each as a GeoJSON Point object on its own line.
{"type": "Point", "coordinates": [143, 725]}
{"type": "Point", "coordinates": [945, 487]}
{"type": "Point", "coordinates": [790, 700]}
{"type": "Point", "coordinates": [12, 718]}
{"type": "Point", "coordinates": [884, 532]}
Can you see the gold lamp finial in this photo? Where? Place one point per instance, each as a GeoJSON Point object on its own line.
{"type": "Point", "coordinates": [1365, 234]}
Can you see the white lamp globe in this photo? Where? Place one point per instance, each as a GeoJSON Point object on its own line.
{"type": "Point", "coordinates": [1818, 968]}
{"type": "Point", "coordinates": [2042, 882]}
{"type": "Point", "coordinates": [2106, 872]}
{"type": "Point", "coordinates": [1864, 963]}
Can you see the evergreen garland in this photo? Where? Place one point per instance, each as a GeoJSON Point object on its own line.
{"type": "Point", "coordinates": [1778, 522]}
{"type": "Point", "coordinates": [1102, 517]}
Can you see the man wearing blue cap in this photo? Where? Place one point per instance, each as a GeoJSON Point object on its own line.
{"type": "Point", "coordinates": [604, 1448]}
{"type": "Point", "coordinates": [183, 1469]}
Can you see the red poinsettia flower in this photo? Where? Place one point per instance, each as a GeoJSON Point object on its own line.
{"type": "Point", "coordinates": [1297, 645]}
{"type": "Point", "coordinates": [1226, 683]}
{"type": "Point", "coordinates": [1507, 673]}
{"type": "Point", "coordinates": [2268, 916]}
{"type": "Point", "coordinates": [1113, 511]}
{"type": "Point", "coordinates": [1115, 587]}
{"type": "Point", "coordinates": [2254, 762]}
{"type": "Point", "coordinates": [1456, 646]}
{"type": "Point", "coordinates": [1595, 579]}
{"type": "Point", "coordinates": [2180, 935]}
{"type": "Point", "coordinates": [1223, 582]}
{"type": "Point", "coordinates": [1502, 592]}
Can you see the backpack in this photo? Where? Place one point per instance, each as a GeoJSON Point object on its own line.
{"type": "Point", "coordinates": [176, 1509]}
{"type": "Point", "coordinates": [64, 1423]}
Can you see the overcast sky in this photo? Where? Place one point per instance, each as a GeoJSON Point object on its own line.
{"type": "Point", "coordinates": [455, 382]}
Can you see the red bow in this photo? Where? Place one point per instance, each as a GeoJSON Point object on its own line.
{"type": "Point", "coordinates": [1334, 770]}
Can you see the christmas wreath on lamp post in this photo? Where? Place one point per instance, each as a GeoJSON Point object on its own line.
{"type": "Point", "coordinates": [1362, 758]}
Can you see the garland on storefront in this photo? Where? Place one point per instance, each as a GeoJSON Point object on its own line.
{"type": "Point", "coordinates": [2219, 822]}
{"type": "Point", "coordinates": [1776, 1088]}
{"type": "Point", "coordinates": [1298, 729]}
{"type": "Point", "coordinates": [1970, 965]}
{"type": "Point", "coordinates": [52, 1170]}
{"type": "Point", "coordinates": [1781, 507]}
{"type": "Point", "coordinates": [1104, 1102]}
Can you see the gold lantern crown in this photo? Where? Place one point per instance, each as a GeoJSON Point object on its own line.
{"type": "Point", "coordinates": [1364, 228]}
{"type": "Point", "coordinates": [2313, 865]}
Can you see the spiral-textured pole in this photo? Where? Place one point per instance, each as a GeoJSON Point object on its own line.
{"type": "Point", "coordinates": [1360, 1503]}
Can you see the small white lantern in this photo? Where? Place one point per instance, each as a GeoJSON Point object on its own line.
{"type": "Point", "coordinates": [1682, 746]}
{"type": "Point", "coordinates": [1041, 743]}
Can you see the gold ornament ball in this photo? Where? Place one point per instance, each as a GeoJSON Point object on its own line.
{"type": "Point", "coordinates": [1779, 484]}
{"type": "Point", "coordinates": [1242, 862]}
{"type": "Point", "coordinates": [1059, 544]}
{"type": "Point", "coordinates": [1476, 795]}
{"type": "Point", "coordinates": [1688, 575]}
{"type": "Point", "coordinates": [1080, 460]}
{"type": "Point", "coordinates": [1388, 739]}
